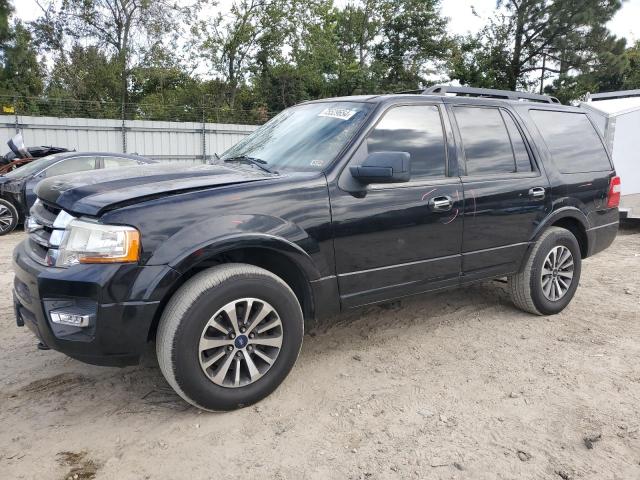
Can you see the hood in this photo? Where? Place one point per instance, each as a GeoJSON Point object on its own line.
{"type": "Point", "coordinates": [91, 193]}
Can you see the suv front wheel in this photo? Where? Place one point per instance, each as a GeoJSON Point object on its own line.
{"type": "Point", "coordinates": [549, 279]}
{"type": "Point", "coordinates": [229, 336]}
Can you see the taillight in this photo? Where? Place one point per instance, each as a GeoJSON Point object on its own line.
{"type": "Point", "coordinates": [613, 198]}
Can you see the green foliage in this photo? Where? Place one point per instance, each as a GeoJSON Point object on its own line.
{"type": "Point", "coordinates": [553, 37]}
{"type": "Point", "coordinates": [185, 61]}
{"type": "Point", "coordinates": [5, 12]}
{"type": "Point", "coordinates": [631, 74]}
{"type": "Point", "coordinates": [21, 73]}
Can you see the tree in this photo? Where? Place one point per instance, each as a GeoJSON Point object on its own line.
{"type": "Point", "coordinates": [602, 71]}
{"type": "Point", "coordinates": [229, 42]}
{"type": "Point", "coordinates": [413, 39]}
{"type": "Point", "coordinates": [528, 36]}
{"type": "Point", "coordinates": [6, 9]}
{"type": "Point", "coordinates": [124, 29]}
{"type": "Point", "coordinates": [20, 71]}
{"type": "Point", "coordinates": [631, 74]}
{"type": "Point", "coordinates": [84, 73]}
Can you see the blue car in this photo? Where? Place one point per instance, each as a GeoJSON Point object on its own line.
{"type": "Point", "coordinates": [16, 187]}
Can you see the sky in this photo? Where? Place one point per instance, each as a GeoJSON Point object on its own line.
{"type": "Point", "coordinates": [626, 23]}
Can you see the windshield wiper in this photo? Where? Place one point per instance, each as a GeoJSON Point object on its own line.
{"type": "Point", "coordinates": [258, 162]}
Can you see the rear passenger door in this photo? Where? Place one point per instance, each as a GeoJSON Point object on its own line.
{"type": "Point", "coordinates": [506, 194]}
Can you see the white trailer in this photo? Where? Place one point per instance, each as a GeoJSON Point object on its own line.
{"type": "Point", "coordinates": [617, 115]}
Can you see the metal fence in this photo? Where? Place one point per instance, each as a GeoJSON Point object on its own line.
{"type": "Point", "coordinates": [172, 141]}
{"type": "Point", "coordinates": [186, 133]}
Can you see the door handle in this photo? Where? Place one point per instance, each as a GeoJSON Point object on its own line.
{"type": "Point", "coordinates": [441, 204]}
{"type": "Point", "coordinates": [537, 192]}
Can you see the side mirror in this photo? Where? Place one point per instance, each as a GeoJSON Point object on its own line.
{"type": "Point", "coordinates": [383, 167]}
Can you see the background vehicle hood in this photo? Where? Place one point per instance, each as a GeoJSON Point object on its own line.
{"type": "Point", "coordinates": [90, 193]}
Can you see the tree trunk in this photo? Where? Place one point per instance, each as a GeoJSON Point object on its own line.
{"type": "Point", "coordinates": [513, 73]}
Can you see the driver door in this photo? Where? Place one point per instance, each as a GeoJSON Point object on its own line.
{"type": "Point", "coordinates": [399, 239]}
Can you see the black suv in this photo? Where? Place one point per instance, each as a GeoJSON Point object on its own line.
{"type": "Point", "coordinates": [333, 204]}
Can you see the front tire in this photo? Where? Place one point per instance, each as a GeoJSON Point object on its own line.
{"type": "Point", "coordinates": [549, 279]}
{"type": "Point", "coordinates": [8, 217]}
{"type": "Point", "coordinates": [229, 336]}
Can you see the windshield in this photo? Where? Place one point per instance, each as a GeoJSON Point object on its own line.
{"type": "Point", "coordinates": [306, 137]}
{"type": "Point", "coordinates": [32, 167]}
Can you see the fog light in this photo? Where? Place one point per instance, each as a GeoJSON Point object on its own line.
{"type": "Point", "coordinates": [70, 318]}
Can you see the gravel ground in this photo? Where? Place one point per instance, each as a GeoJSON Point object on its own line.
{"type": "Point", "coordinates": [457, 385]}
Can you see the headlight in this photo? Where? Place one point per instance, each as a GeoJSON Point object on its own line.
{"type": "Point", "coordinates": [88, 242]}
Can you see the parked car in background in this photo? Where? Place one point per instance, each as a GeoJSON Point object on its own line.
{"type": "Point", "coordinates": [332, 205]}
{"type": "Point", "coordinates": [16, 187]}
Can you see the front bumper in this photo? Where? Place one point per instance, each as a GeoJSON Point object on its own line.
{"type": "Point", "coordinates": [123, 299]}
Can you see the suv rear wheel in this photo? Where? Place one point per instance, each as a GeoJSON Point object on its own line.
{"type": "Point", "coordinates": [8, 217]}
{"type": "Point", "coordinates": [229, 336]}
{"type": "Point", "coordinates": [550, 276]}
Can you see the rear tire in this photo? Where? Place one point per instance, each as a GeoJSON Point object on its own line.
{"type": "Point", "coordinates": [200, 348]}
{"type": "Point", "coordinates": [8, 217]}
{"type": "Point", "coordinates": [550, 276]}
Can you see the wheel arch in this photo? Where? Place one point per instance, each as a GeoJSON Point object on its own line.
{"type": "Point", "coordinates": [277, 256]}
{"type": "Point", "coordinates": [569, 218]}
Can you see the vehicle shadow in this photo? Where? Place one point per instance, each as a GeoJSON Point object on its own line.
{"type": "Point", "coordinates": [76, 387]}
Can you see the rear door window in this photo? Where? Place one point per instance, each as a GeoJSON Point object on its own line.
{"type": "Point", "coordinates": [114, 162]}
{"type": "Point", "coordinates": [572, 141]}
{"type": "Point", "coordinates": [76, 164]}
{"type": "Point", "coordinates": [485, 140]}
{"type": "Point", "coordinates": [520, 152]}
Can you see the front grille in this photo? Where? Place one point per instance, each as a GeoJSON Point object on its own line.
{"type": "Point", "coordinates": [40, 227]}
{"type": "Point", "coordinates": [44, 214]}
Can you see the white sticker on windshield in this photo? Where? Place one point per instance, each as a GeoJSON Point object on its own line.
{"type": "Point", "coordinates": [339, 113]}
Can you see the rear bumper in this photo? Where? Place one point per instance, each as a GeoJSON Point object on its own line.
{"type": "Point", "coordinates": [123, 301]}
{"type": "Point", "coordinates": [601, 237]}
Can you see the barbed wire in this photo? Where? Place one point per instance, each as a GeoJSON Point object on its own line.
{"type": "Point", "coordinates": [72, 108]}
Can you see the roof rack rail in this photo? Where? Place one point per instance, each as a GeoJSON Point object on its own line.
{"type": "Point", "coordinates": [608, 95]}
{"type": "Point", "coordinates": [417, 91]}
{"type": "Point", "coordinates": [489, 93]}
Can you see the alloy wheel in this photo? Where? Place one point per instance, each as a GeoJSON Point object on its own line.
{"type": "Point", "coordinates": [240, 342]}
{"type": "Point", "coordinates": [6, 218]}
{"type": "Point", "coordinates": [557, 273]}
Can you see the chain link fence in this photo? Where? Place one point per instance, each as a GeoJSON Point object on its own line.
{"type": "Point", "coordinates": [204, 111]}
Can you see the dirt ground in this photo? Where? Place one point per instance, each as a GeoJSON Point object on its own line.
{"type": "Point", "coordinates": [457, 385]}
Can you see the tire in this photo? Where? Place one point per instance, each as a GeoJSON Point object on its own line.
{"type": "Point", "coordinates": [528, 289]}
{"type": "Point", "coordinates": [191, 320]}
{"type": "Point", "coordinates": [8, 217]}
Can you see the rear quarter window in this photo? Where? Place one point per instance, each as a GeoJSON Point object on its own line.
{"type": "Point", "coordinates": [572, 141]}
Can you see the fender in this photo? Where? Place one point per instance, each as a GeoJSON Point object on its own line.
{"type": "Point", "coordinates": [560, 213]}
{"type": "Point", "coordinates": [563, 212]}
{"type": "Point", "coordinates": [232, 232]}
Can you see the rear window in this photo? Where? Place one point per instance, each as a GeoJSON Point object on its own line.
{"type": "Point", "coordinates": [486, 143]}
{"type": "Point", "coordinates": [572, 140]}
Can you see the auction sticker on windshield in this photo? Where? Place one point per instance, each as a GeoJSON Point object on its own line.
{"type": "Point", "coordinates": [339, 113]}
